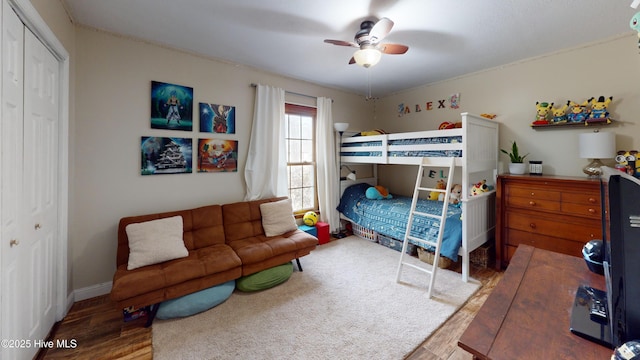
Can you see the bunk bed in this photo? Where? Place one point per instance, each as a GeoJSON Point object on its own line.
{"type": "Point", "coordinates": [475, 149]}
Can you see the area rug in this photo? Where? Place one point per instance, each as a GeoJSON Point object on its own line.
{"type": "Point", "coordinates": [346, 304]}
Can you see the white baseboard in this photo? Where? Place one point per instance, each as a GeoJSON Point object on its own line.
{"type": "Point", "coordinates": [92, 291]}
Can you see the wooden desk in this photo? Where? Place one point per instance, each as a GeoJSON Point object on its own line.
{"type": "Point", "coordinates": [528, 313]}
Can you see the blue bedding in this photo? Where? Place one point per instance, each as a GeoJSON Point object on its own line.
{"type": "Point", "coordinates": [389, 217]}
{"type": "Point", "coordinates": [407, 153]}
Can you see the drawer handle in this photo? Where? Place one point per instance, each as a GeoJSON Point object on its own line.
{"type": "Point", "coordinates": [592, 211]}
{"type": "Point", "coordinates": [532, 225]}
{"type": "Point", "coordinates": [532, 203]}
{"type": "Point", "coordinates": [533, 194]}
{"type": "Point", "coordinates": [592, 200]}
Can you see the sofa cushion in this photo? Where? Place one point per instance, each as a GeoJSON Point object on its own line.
{"type": "Point", "coordinates": [265, 279]}
{"type": "Point", "coordinates": [196, 302]}
{"type": "Point", "coordinates": [155, 241]}
{"type": "Point", "coordinates": [277, 217]}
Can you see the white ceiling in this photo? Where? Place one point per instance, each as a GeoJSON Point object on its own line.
{"type": "Point", "coordinates": [447, 38]}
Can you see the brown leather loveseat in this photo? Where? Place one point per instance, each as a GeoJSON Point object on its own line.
{"type": "Point", "coordinates": [224, 242]}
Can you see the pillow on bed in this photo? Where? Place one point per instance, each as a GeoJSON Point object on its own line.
{"type": "Point", "coordinates": [356, 191]}
{"type": "Point", "coordinates": [155, 241]}
{"type": "Point", "coordinates": [277, 217]}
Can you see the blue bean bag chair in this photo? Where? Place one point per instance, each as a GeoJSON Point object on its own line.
{"type": "Point", "coordinates": [265, 279]}
{"type": "Point", "coordinates": [196, 302]}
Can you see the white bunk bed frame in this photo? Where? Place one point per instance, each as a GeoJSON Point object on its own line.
{"type": "Point", "coordinates": [479, 157]}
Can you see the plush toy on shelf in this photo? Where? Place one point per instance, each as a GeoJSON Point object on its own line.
{"type": "Point", "coordinates": [599, 111]}
{"type": "Point", "coordinates": [543, 111]}
{"type": "Point", "coordinates": [378, 192]}
{"type": "Point", "coordinates": [435, 195]}
{"type": "Point", "coordinates": [560, 114]}
{"type": "Point", "coordinates": [578, 112]}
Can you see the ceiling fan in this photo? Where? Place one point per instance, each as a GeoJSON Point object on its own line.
{"type": "Point", "coordinates": [368, 40]}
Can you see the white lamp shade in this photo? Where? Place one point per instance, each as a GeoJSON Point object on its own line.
{"type": "Point", "coordinates": [341, 127]}
{"type": "Point", "coordinates": [598, 145]}
{"type": "Point", "coordinates": [367, 57]}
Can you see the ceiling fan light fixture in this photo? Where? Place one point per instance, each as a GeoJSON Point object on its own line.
{"type": "Point", "coordinates": [367, 57]}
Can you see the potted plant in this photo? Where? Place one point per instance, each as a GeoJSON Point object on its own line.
{"type": "Point", "coordinates": [516, 166]}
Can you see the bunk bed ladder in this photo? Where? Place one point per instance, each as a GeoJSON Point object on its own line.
{"type": "Point", "coordinates": [425, 243]}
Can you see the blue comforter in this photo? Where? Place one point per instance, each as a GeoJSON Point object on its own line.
{"type": "Point", "coordinates": [389, 217]}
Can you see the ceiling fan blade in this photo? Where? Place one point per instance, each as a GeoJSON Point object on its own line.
{"type": "Point", "coordinates": [352, 61]}
{"type": "Point", "coordinates": [393, 48]}
{"type": "Point", "coordinates": [340, 43]}
{"type": "Point", "coordinates": [380, 30]}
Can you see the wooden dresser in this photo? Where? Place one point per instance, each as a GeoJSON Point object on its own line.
{"type": "Point", "coordinates": [555, 213]}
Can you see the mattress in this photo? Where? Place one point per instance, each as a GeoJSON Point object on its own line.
{"type": "Point", "coordinates": [390, 216]}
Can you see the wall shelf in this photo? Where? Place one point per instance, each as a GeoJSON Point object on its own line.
{"type": "Point", "coordinates": [585, 124]}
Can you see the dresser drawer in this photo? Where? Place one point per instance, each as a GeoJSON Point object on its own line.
{"type": "Point", "coordinates": [587, 198]}
{"type": "Point", "coordinates": [549, 227]}
{"type": "Point", "coordinates": [590, 211]}
{"type": "Point", "coordinates": [564, 246]}
{"type": "Point", "coordinates": [533, 204]}
{"type": "Point", "coordinates": [533, 193]}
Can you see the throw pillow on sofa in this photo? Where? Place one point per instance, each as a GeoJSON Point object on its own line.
{"type": "Point", "coordinates": [155, 241]}
{"type": "Point", "coordinates": [277, 217]}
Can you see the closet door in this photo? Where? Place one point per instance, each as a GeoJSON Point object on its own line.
{"type": "Point", "coordinates": [40, 182]}
{"type": "Point", "coordinates": [13, 278]}
{"type": "Point", "coordinates": [30, 102]}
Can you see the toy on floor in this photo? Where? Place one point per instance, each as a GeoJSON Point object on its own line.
{"type": "Point", "coordinates": [378, 193]}
{"type": "Point", "coordinates": [543, 111]}
{"type": "Point", "coordinates": [434, 195]}
{"type": "Point", "coordinates": [310, 218]}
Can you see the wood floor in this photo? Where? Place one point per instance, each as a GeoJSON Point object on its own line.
{"type": "Point", "coordinates": [100, 333]}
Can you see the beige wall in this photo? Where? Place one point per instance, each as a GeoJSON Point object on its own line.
{"type": "Point", "coordinates": [610, 68]}
{"type": "Point", "coordinates": [112, 113]}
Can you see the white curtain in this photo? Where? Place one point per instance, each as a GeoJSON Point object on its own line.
{"type": "Point", "coordinates": [327, 166]}
{"type": "Point", "coordinates": [266, 170]}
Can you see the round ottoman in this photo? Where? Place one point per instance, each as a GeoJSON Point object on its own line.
{"type": "Point", "coordinates": [196, 302]}
{"type": "Point", "coordinates": [265, 279]}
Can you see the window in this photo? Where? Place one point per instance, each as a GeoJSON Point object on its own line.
{"type": "Point", "coordinates": [301, 156]}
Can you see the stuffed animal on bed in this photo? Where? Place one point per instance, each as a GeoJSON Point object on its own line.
{"type": "Point", "coordinates": [378, 193]}
{"type": "Point", "coordinates": [479, 188]}
{"type": "Point", "coordinates": [371, 132]}
{"type": "Point", "coordinates": [435, 195]}
{"type": "Point", "coordinates": [454, 197]}
{"type": "Point", "coordinates": [456, 194]}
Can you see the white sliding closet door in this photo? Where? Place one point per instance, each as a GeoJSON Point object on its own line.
{"type": "Point", "coordinates": [29, 182]}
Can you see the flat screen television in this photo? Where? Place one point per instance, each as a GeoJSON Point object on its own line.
{"type": "Point", "coordinates": [620, 301]}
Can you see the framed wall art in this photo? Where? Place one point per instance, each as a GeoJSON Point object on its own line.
{"type": "Point", "coordinates": [171, 106]}
{"type": "Point", "coordinates": [217, 155]}
{"type": "Point", "coordinates": [165, 155]}
{"type": "Point", "coordinates": [216, 118]}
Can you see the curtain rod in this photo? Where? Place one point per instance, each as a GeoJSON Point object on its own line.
{"type": "Point", "coordinates": [293, 93]}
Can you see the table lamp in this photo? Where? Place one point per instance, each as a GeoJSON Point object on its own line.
{"type": "Point", "coordinates": [596, 145]}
